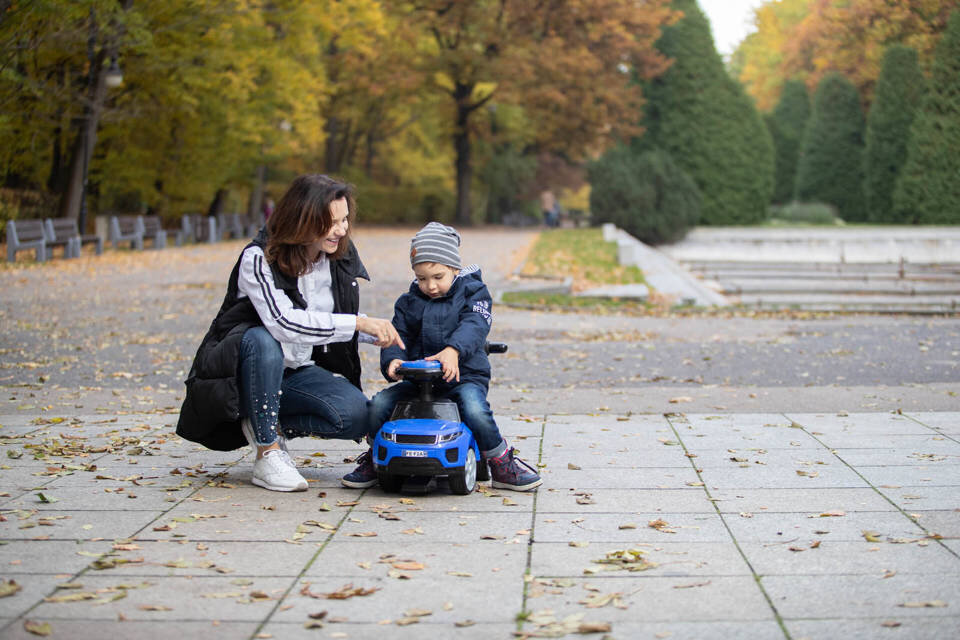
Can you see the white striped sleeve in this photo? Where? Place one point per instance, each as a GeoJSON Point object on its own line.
{"type": "Point", "coordinates": [285, 322]}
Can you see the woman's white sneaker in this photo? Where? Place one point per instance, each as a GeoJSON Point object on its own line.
{"type": "Point", "coordinates": [277, 472]}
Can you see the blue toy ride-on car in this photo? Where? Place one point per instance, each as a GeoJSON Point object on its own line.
{"type": "Point", "coordinates": [425, 439]}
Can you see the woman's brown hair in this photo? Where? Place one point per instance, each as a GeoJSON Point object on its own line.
{"type": "Point", "coordinates": [302, 215]}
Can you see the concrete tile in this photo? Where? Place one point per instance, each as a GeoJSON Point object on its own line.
{"type": "Point", "coordinates": [732, 598]}
{"type": "Point", "coordinates": [129, 497]}
{"type": "Point", "coordinates": [436, 527]}
{"type": "Point", "coordinates": [212, 558]}
{"type": "Point", "coordinates": [559, 559]}
{"type": "Point", "coordinates": [606, 528]}
{"type": "Point", "coordinates": [863, 596]}
{"type": "Point", "coordinates": [803, 500]}
{"type": "Point", "coordinates": [182, 598]}
{"type": "Point", "coordinates": [767, 431]}
{"type": "Point", "coordinates": [624, 453]}
{"type": "Point", "coordinates": [910, 628]}
{"type": "Point", "coordinates": [918, 476]}
{"type": "Point", "coordinates": [424, 628]}
{"type": "Point", "coordinates": [925, 498]}
{"type": "Point", "coordinates": [494, 599]}
{"type": "Point", "coordinates": [639, 478]}
{"type": "Point", "coordinates": [945, 523]}
{"type": "Point", "coordinates": [810, 476]}
{"type": "Point", "coordinates": [849, 558]}
{"type": "Point", "coordinates": [33, 588]}
{"type": "Point", "coordinates": [689, 500]}
{"type": "Point", "coordinates": [901, 457]}
{"type": "Point", "coordinates": [142, 629]}
{"type": "Point", "coordinates": [943, 422]}
{"type": "Point", "coordinates": [186, 522]}
{"type": "Point", "coordinates": [77, 525]}
{"type": "Point", "coordinates": [787, 529]}
{"type": "Point", "coordinates": [929, 443]}
{"type": "Point", "coordinates": [858, 424]}
{"type": "Point", "coordinates": [481, 558]}
{"type": "Point", "coordinates": [55, 557]}
{"type": "Point", "coordinates": [755, 630]}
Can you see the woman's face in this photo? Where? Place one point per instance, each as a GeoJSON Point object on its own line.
{"type": "Point", "coordinates": [339, 211]}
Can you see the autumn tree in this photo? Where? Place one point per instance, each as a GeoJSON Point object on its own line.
{"type": "Point", "coordinates": [831, 158]}
{"type": "Point", "coordinates": [702, 118]}
{"type": "Point", "coordinates": [786, 124]}
{"type": "Point", "coordinates": [826, 36]}
{"type": "Point", "coordinates": [928, 191]}
{"type": "Point", "coordinates": [567, 64]}
{"type": "Point", "coordinates": [899, 91]}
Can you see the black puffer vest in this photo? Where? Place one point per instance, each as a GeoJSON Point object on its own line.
{"type": "Point", "coordinates": [210, 414]}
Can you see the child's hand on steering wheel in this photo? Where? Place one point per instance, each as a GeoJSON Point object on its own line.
{"type": "Point", "coordinates": [449, 360]}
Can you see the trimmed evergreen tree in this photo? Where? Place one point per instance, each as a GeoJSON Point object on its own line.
{"type": "Point", "coordinates": [899, 92]}
{"type": "Point", "coordinates": [830, 169]}
{"type": "Point", "coordinates": [702, 117]}
{"type": "Point", "coordinates": [646, 194]}
{"type": "Point", "coordinates": [786, 124]}
{"type": "Point", "coordinates": [928, 191]}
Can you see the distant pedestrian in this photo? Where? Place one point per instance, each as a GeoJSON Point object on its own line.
{"type": "Point", "coordinates": [280, 359]}
{"type": "Point", "coordinates": [446, 316]}
{"type": "Point", "coordinates": [267, 208]}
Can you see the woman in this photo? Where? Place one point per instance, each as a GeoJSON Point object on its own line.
{"type": "Point", "coordinates": [280, 359]}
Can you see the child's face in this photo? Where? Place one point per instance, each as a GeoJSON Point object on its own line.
{"type": "Point", "coordinates": [433, 278]}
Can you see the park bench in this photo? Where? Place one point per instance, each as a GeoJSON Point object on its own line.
{"type": "Point", "coordinates": [199, 228]}
{"type": "Point", "coordinates": [26, 234]}
{"type": "Point", "coordinates": [152, 229]}
{"type": "Point", "coordinates": [126, 229]}
{"type": "Point", "coordinates": [64, 231]}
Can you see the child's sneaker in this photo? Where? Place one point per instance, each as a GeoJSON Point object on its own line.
{"type": "Point", "coordinates": [277, 472]}
{"type": "Point", "coordinates": [508, 472]}
{"type": "Point", "coordinates": [365, 475]}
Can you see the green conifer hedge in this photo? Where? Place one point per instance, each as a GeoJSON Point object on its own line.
{"type": "Point", "coordinates": [646, 194]}
{"type": "Point", "coordinates": [702, 117]}
{"type": "Point", "coordinates": [928, 191]}
{"type": "Point", "coordinates": [830, 168]}
{"type": "Point", "coordinates": [899, 92]}
{"type": "Point", "coordinates": [786, 124]}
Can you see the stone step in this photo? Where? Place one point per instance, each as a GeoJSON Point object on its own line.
{"type": "Point", "coordinates": [847, 302]}
{"type": "Point", "coordinates": [735, 286]}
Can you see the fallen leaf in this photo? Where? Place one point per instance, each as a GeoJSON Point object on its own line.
{"type": "Point", "coordinates": [37, 628]}
{"type": "Point", "coordinates": [871, 536]}
{"type": "Point", "coordinates": [573, 467]}
{"type": "Point", "coordinates": [408, 566]}
{"type": "Point", "coordinates": [922, 605]}
{"type": "Point", "coordinates": [661, 525]}
{"type": "Point", "coordinates": [679, 399]}
{"type": "Point", "coordinates": [890, 624]}
{"type": "Point", "coordinates": [8, 588]}
{"type": "Point", "coordinates": [691, 585]}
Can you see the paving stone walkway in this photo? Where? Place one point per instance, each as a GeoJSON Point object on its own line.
{"type": "Point", "coordinates": [794, 511]}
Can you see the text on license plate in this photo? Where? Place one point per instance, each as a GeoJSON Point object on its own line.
{"type": "Point", "coordinates": [414, 453]}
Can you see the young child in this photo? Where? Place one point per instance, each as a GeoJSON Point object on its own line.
{"type": "Point", "coordinates": [446, 317]}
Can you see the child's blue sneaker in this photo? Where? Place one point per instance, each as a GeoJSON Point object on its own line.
{"type": "Point", "coordinates": [508, 472]}
{"type": "Point", "coordinates": [365, 475]}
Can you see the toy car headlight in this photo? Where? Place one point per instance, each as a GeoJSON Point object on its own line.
{"type": "Point", "coordinates": [387, 435]}
{"type": "Point", "coordinates": [449, 437]}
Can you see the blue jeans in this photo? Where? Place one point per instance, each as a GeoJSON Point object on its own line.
{"type": "Point", "coordinates": [471, 399]}
{"type": "Point", "coordinates": [309, 401]}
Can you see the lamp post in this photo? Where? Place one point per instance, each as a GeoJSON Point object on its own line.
{"type": "Point", "coordinates": [112, 78]}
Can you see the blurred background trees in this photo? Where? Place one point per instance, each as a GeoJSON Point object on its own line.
{"type": "Point", "coordinates": [466, 110]}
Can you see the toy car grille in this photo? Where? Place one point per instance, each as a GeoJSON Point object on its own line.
{"type": "Point", "coordinates": [412, 439]}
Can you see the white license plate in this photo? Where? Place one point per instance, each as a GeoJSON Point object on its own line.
{"type": "Point", "coordinates": [414, 453]}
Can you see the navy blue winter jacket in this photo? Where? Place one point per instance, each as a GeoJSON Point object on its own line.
{"type": "Point", "coordinates": [460, 319]}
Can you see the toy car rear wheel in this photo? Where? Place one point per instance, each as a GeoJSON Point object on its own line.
{"type": "Point", "coordinates": [464, 482]}
{"type": "Point", "coordinates": [388, 482]}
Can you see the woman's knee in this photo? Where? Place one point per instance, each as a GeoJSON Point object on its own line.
{"type": "Point", "coordinates": [259, 345]}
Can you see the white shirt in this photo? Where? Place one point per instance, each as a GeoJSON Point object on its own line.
{"type": "Point", "coordinates": [297, 330]}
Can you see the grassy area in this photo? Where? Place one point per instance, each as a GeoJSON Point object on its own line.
{"type": "Point", "coordinates": [583, 255]}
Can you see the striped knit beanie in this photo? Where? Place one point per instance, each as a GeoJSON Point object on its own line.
{"type": "Point", "coordinates": [436, 243]}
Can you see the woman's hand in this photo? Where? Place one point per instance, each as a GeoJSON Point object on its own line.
{"type": "Point", "coordinates": [382, 330]}
{"type": "Point", "coordinates": [449, 360]}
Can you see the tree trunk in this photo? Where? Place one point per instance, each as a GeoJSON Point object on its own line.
{"type": "Point", "coordinates": [83, 144]}
{"type": "Point", "coordinates": [216, 205]}
{"type": "Point", "coordinates": [254, 206]}
{"type": "Point", "coordinates": [461, 147]}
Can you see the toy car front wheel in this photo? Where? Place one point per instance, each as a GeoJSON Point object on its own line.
{"type": "Point", "coordinates": [464, 482]}
{"type": "Point", "coordinates": [388, 482]}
